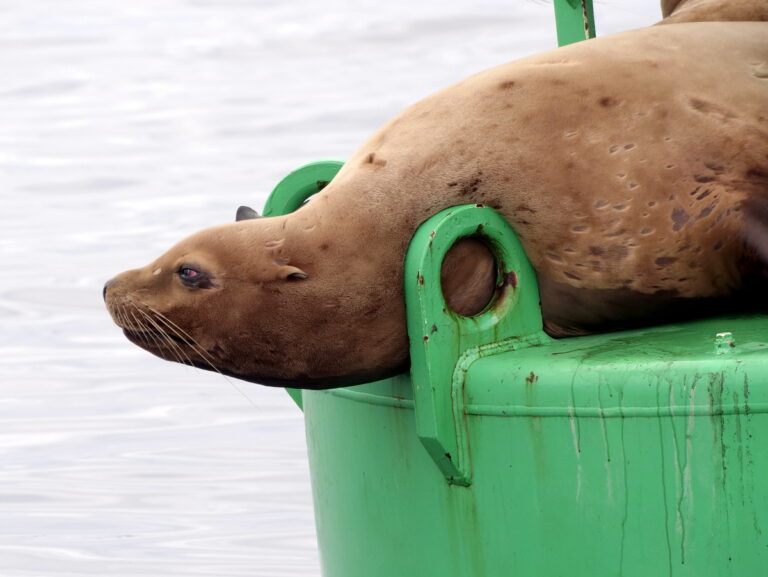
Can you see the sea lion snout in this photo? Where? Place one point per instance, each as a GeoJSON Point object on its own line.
{"type": "Point", "coordinates": [255, 300]}
{"type": "Point", "coordinates": [106, 286]}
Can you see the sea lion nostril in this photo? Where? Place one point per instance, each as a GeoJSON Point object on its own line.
{"type": "Point", "coordinates": [106, 286]}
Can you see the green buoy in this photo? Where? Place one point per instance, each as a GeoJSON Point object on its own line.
{"type": "Point", "coordinates": [507, 453]}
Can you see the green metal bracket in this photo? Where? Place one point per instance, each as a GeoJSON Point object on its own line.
{"type": "Point", "coordinates": [440, 338]}
{"type": "Point", "coordinates": [575, 21]}
{"type": "Point", "coordinates": [291, 192]}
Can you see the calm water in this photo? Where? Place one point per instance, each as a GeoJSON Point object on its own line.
{"type": "Point", "coordinates": [123, 127]}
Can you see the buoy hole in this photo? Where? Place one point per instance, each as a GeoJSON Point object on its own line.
{"type": "Point", "coordinates": [468, 276]}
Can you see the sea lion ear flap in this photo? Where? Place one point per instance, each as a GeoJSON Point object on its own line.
{"type": "Point", "coordinates": [246, 213]}
{"type": "Point", "coordinates": [292, 273]}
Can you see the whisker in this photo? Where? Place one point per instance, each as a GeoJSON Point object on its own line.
{"type": "Point", "coordinates": [141, 331]}
{"type": "Point", "coordinates": [121, 317]}
{"type": "Point", "coordinates": [197, 347]}
{"type": "Point", "coordinates": [185, 336]}
{"type": "Point", "coordinates": [126, 317]}
{"type": "Point", "coordinates": [174, 348]}
{"type": "Point", "coordinates": [158, 339]}
{"type": "Point", "coordinates": [149, 336]}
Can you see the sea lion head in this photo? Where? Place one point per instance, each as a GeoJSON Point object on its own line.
{"type": "Point", "coordinates": [250, 300]}
{"type": "Point", "coordinates": [280, 301]}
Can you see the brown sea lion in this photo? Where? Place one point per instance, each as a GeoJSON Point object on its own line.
{"type": "Point", "coordinates": [633, 167]}
{"type": "Point", "coordinates": [677, 11]}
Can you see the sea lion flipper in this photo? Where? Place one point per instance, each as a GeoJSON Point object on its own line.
{"type": "Point", "coordinates": [246, 213]}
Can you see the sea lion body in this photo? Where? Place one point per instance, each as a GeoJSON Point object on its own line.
{"type": "Point", "coordinates": [633, 167]}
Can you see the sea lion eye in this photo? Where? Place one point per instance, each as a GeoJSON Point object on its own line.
{"type": "Point", "coordinates": [194, 277]}
{"type": "Point", "coordinates": [188, 273]}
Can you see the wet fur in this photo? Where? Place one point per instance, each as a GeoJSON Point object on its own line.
{"type": "Point", "coordinates": [633, 168]}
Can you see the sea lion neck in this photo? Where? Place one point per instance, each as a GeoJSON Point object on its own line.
{"type": "Point", "coordinates": [341, 220]}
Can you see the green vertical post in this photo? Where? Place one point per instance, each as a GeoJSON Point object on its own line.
{"type": "Point", "coordinates": [575, 21]}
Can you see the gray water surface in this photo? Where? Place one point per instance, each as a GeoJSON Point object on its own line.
{"type": "Point", "coordinates": [125, 126]}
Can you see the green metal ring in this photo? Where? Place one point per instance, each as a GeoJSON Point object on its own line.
{"type": "Point", "coordinates": [440, 340]}
{"type": "Point", "coordinates": [291, 192]}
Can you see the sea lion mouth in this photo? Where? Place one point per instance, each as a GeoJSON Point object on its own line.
{"type": "Point", "coordinates": [172, 346]}
{"type": "Point", "coordinates": [152, 338]}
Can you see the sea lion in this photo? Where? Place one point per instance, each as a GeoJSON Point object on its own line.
{"type": "Point", "coordinates": [633, 167]}
{"type": "Point", "coordinates": [677, 11]}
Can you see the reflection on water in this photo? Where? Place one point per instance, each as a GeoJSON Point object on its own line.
{"type": "Point", "coordinates": [123, 127]}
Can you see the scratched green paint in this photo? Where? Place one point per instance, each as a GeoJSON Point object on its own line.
{"type": "Point", "coordinates": [574, 20]}
{"type": "Point", "coordinates": [636, 454]}
{"type": "Point", "coordinates": [651, 463]}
